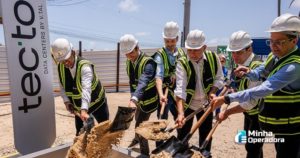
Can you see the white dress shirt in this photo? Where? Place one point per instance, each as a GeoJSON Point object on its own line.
{"type": "Point", "coordinates": [200, 98]}
{"type": "Point", "coordinates": [86, 83]}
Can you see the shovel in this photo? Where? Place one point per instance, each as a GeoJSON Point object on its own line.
{"type": "Point", "coordinates": [88, 124]}
{"type": "Point", "coordinates": [208, 137]}
{"type": "Point", "coordinates": [123, 118]}
{"type": "Point", "coordinates": [163, 105]}
{"type": "Point", "coordinates": [174, 145]}
{"type": "Point", "coordinates": [171, 129]}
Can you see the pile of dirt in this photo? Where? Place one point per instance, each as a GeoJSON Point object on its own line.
{"type": "Point", "coordinates": [96, 144]}
{"type": "Point", "coordinates": [164, 154]}
{"type": "Point", "coordinates": [153, 130]}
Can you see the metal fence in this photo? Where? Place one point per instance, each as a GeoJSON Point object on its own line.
{"type": "Point", "coordinates": [105, 65]}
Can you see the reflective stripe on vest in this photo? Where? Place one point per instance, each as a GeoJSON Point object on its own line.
{"type": "Point", "coordinates": [244, 84]}
{"type": "Point", "coordinates": [169, 69]}
{"type": "Point", "coordinates": [281, 112]}
{"type": "Point", "coordinates": [191, 75]}
{"type": "Point", "coordinates": [150, 99]}
{"type": "Point", "coordinates": [75, 93]}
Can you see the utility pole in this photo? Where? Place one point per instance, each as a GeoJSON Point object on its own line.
{"type": "Point", "coordinates": [186, 20]}
{"type": "Point", "coordinates": [278, 7]}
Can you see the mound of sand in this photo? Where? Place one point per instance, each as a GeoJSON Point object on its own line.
{"type": "Point", "coordinates": [153, 130]}
{"type": "Point", "coordinates": [97, 144]}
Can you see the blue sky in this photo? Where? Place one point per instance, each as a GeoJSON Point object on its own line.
{"type": "Point", "coordinates": [99, 24]}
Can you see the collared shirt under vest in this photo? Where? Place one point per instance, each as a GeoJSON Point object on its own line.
{"type": "Point", "coordinates": [244, 83]}
{"type": "Point", "coordinates": [165, 66]}
{"type": "Point", "coordinates": [149, 100]}
{"type": "Point", "coordinates": [280, 112]}
{"type": "Point", "coordinates": [197, 81]}
{"type": "Point", "coordinates": [73, 86]}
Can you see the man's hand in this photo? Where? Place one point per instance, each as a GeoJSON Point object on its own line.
{"type": "Point", "coordinates": [84, 114]}
{"type": "Point", "coordinates": [132, 103]}
{"type": "Point", "coordinates": [180, 120]}
{"type": "Point", "coordinates": [217, 102]}
{"type": "Point", "coordinates": [69, 107]}
{"type": "Point", "coordinates": [240, 71]}
{"type": "Point", "coordinates": [211, 96]}
{"type": "Point", "coordinates": [222, 116]}
{"type": "Point", "coordinates": [163, 99]}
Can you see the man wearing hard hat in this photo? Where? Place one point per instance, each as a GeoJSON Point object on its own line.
{"type": "Point", "coordinates": [198, 77]}
{"type": "Point", "coordinates": [240, 47]}
{"type": "Point", "coordinates": [166, 58]}
{"type": "Point", "coordinates": [141, 72]}
{"type": "Point", "coordinates": [81, 89]}
{"type": "Point", "coordinates": [280, 113]}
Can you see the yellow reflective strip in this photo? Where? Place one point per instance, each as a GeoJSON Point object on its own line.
{"type": "Point", "coordinates": [280, 121]}
{"type": "Point", "coordinates": [100, 96]}
{"type": "Point", "coordinates": [269, 58]}
{"type": "Point", "coordinates": [211, 63]}
{"type": "Point", "coordinates": [63, 77]}
{"type": "Point", "coordinates": [291, 59]}
{"type": "Point", "coordinates": [151, 85]}
{"type": "Point", "coordinates": [253, 111]}
{"type": "Point", "coordinates": [166, 62]}
{"type": "Point", "coordinates": [288, 134]}
{"type": "Point", "coordinates": [150, 101]}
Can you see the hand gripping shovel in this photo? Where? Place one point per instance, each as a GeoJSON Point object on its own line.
{"type": "Point", "coordinates": [173, 145]}
{"type": "Point", "coordinates": [190, 116]}
{"type": "Point", "coordinates": [88, 124]}
{"type": "Point", "coordinates": [123, 118]}
{"type": "Point", "coordinates": [163, 105]}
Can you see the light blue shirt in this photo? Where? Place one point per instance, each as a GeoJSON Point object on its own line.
{"type": "Point", "coordinates": [160, 63]}
{"type": "Point", "coordinates": [288, 76]}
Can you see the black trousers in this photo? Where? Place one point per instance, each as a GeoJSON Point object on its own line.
{"type": "Point", "coordinates": [140, 117]}
{"type": "Point", "coordinates": [290, 148]}
{"type": "Point", "coordinates": [254, 150]}
{"type": "Point", "coordinates": [101, 114]}
{"type": "Point", "coordinates": [204, 129]}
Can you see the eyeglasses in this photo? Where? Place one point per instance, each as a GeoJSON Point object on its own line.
{"type": "Point", "coordinates": [278, 42]}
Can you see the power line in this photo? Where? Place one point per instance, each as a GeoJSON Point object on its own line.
{"type": "Point", "coordinates": [66, 2]}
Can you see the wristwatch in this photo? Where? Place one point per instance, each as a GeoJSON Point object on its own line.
{"type": "Point", "coordinates": [226, 99]}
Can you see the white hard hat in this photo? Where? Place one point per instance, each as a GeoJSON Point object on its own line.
{"type": "Point", "coordinates": [285, 23]}
{"type": "Point", "coordinates": [195, 39]}
{"type": "Point", "coordinates": [171, 30]}
{"type": "Point", "coordinates": [127, 43]}
{"type": "Point", "coordinates": [61, 49]}
{"type": "Point", "coordinates": [238, 41]}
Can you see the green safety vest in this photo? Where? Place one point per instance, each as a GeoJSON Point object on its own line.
{"type": "Point", "coordinates": [169, 69]}
{"type": "Point", "coordinates": [280, 112]}
{"type": "Point", "coordinates": [210, 69]}
{"type": "Point", "coordinates": [73, 87]}
{"type": "Point", "coordinates": [244, 84]}
{"type": "Point", "coordinates": [150, 100]}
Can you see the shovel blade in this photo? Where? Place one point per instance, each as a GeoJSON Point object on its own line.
{"type": "Point", "coordinates": [171, 146]}
{"type": "Point", "coordinates": [123, 118]}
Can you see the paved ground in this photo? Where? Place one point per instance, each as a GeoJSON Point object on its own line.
{"type": "Point", "coordinates": [223, 142]}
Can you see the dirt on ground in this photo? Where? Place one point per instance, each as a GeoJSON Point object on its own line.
{"type": "Point", "coordinates": [223, 144]}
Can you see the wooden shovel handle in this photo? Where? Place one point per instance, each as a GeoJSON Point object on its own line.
{"type": "Point", "coordinates": [211, 132]}
{"type": "Point", "coordinates": [163, 105]}
{"type": "Point", "coordinates": [201, 120]}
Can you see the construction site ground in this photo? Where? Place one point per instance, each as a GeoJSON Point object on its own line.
{"type": "Point", "coordinates": [223, 145]}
